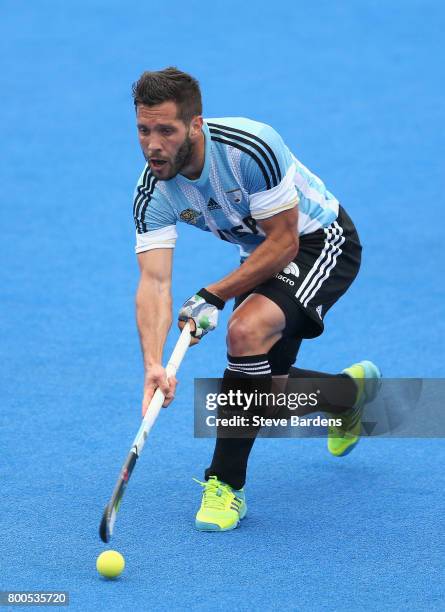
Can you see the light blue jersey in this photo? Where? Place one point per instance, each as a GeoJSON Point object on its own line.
{"type": "Point", "coordinates": [249, 174]}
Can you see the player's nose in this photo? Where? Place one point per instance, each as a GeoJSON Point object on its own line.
{"type": "Point", "coordinates": [153, 150]}
{"type": "Point", "coordinates": [153, 143]}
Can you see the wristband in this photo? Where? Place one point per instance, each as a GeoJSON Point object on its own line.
{"type": "Point", "coordinates": [211, 298]}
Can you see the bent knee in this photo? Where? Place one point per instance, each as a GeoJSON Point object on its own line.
{"type": "Point", "coordinates": [246, 337]}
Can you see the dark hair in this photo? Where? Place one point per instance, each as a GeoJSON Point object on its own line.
{"type": "Point", "coordinates": [166, 85]}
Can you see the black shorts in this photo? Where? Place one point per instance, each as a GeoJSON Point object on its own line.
{"type": "Point", "coordinates": [327, 262]}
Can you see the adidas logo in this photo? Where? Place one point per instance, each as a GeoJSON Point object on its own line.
{"type": "Point", "coordinates": [319, 309]}
{"type": "Point", "coordinates": [292, 269]}
{"type": "Point", "coordinates": [212, 205]}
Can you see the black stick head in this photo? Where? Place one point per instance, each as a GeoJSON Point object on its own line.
{"type": "Point", "coordinates": [104, 527]}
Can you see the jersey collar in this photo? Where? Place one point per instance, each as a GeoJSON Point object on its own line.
{"type": "Point", "coordinates": [202, 180]}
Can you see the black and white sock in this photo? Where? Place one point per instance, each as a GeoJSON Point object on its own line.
{"type": "Point", "coordinates": [248, 374]}
{"type": "Point", "coordinates": [338, 392]}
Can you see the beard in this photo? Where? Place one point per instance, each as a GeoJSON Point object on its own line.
{"type": "Point", "coordinates": [182, 157]}
{"type": "Point", "coordinates": [180, 161]}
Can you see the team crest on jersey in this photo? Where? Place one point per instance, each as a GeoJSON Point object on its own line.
{"type": "Point", "coordinates": [235, 196]}
{"type": "Point", "coordinates": [189, 215]}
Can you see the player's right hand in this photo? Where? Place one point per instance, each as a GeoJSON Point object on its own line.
{"type": "Point", "coordinates": [154, 378]}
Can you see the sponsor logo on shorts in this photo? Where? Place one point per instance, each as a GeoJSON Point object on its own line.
{"type": "Point", "coordinates": [286, 280]}
{"type": "Point", "coordinates": [292, 269]}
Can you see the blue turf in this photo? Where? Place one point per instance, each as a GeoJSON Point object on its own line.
{"type": "Point", "coordinates": [355, 89]}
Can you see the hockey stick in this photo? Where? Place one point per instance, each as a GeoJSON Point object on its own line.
{"type": "Point", "coordinates": [110, 512]}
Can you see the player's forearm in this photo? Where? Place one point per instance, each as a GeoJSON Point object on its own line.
{"type": "Point", "coordinates": [154, 319]}
{"type": "Point", "coordinates": [268, 259]}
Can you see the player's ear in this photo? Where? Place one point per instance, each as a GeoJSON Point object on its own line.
{"type": "Point", "coordinates": [196, 126]}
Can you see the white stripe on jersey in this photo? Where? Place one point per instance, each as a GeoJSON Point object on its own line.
{"type": "Point", "coordinates": [310, 193]}
{"type": "Point", "coordinates": [218, 188]}
{"type": "Point", "coordinates": [307, 225]}
{"type": "Point", "coordinates": [234, 159]}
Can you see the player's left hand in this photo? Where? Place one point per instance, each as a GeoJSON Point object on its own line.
{"type": "Point", "coordinates": [203, 309]}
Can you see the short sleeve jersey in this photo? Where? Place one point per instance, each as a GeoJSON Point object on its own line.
{"type": "Point", "coordinates": [249, 174]}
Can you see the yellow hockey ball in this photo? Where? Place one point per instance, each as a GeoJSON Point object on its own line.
{"type": "Point", "coordinates": [110, 564]}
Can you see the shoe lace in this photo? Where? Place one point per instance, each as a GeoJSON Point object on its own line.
{"type": "Point", "coordinates": [350, 418]}
{"type": "Point", "coordinates": [215, 493]}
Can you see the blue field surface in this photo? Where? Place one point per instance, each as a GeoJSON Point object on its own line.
{"type": "Point", "coordinates": [355, 89]}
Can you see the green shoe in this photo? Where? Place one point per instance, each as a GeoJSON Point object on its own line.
{"type": "Point", "coordinates": [343, 439]}
{"type": "Point", "coordinates": [221, 508]}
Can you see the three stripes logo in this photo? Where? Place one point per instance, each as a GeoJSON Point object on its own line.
{"type": "Point", "coordinates": [252, 145]}
{"type": "Point", "coordinates": [142, 198]}
{"type": "Point", "coordinates": [236, 504]}
{"type": "Point", "coordinates": [323, 266]}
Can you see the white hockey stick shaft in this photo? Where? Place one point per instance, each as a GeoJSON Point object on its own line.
{"type": "Point", "coordinates": [157, 400]}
